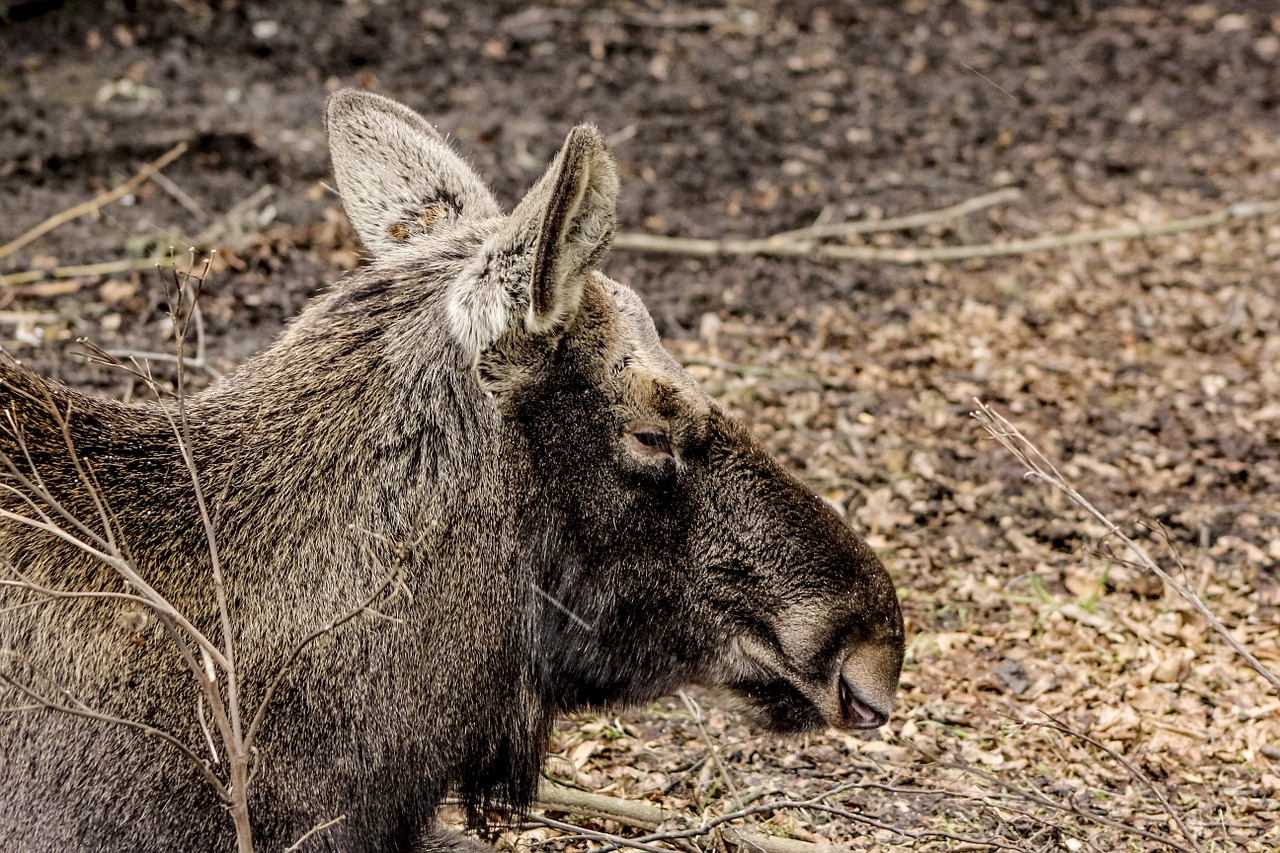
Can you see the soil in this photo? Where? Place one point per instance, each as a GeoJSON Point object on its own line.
{"type": "Point", "coordinates": [1148, 370]}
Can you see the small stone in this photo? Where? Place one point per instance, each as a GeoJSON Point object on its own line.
{"type": "Point", "coordinates": [1013, 675]}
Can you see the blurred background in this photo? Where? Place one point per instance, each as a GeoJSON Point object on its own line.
{"type": "Point", "coordinates": [1147, 368]}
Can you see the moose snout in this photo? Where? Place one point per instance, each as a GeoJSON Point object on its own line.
{"type": "Point", "coordinates": [865, 684]}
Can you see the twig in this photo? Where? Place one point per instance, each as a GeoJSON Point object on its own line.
{"type": "Point", "coordinates": [30, 317]}
{"type": "Point", "coordinates": [899, 223]}
{"type": "Point", "coordinates": [153, 599]}
{"type": "Point", "coordinates": [879, 824]}
{"type": "Point", "coordinates": [768, 372]}
{"type": "Point", "coordinates": [208, 236]}
{"type": "Point", "coordinates": [180, 195]}
{"type": "Point", "coordinates": [115, 554]}
{"type": "Point", "coordinates": [93, 205]}
{"type": "Point", "coordinates": [646, 816]}
{"type": "Point", "coordinates": [79, 271]}
{"type": "Point", "coordinates": [104, 547]}
{"type": "Point", "coordinates": [1040, 467]}
{"type": "Point", "coordinates": [631, 812]}
{"type": "Point", "coordinates": [668, 19]}
{"type": "Point", "coordinates": [76, 708]}
{"type": "Point", "coordinates": [48, 594]}
{"type": "Point", "coordinates": [696, 712]}
{"type": "Point", "coordinates": [194, 363]}
{"type": "Point", "coordinates": [227, 221]}
{"type": "Point", "coordinates": [216, 670]}
{"type": "Point", "coordinates": [333, 624]}
{"type": "Point", "coordinates": [1034, 795]}
{"type": "Point", "coordinates": [1057, 725]}
{"type": "Point", "coordinates": [238, 754]}
{"type": "Point", "coordinates": [616, 840]}
{"type": "Point", "coordinates": [998, 87]}
{"type": "Point", "coordinates": [999, 803]}
{"type": "Point", "coordinates": [297, 845]}
{"type": "Point", "coordinates": [770, 247]}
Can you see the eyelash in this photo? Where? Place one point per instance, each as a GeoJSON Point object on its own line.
{"type": "Point", "coordinates": [652, 441]}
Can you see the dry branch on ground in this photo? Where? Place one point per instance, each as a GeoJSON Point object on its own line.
{"type": "Point", "coordinates": [1009, 437]}
{"type": "Point", "coordinates": [807, 242]}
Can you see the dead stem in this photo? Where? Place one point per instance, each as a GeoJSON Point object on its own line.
{"type": "Point", "coordinates": [95, 204]}
{"type": "Point", "coordinates": [803, 242]}
{"type": "Point", "coordinates": [999, 428]}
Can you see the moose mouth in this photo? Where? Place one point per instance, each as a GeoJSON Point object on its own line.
{"type": "Point", "coordinates": [859, 696]}
{"type": "Point", "coordinates": [856, 713]}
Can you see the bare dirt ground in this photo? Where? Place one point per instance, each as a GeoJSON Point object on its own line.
{"type": "Point", "coordinates": [1148, 369]}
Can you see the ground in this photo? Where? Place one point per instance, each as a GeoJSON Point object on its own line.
{"type": "Point", "coordinates": [1148, 369]}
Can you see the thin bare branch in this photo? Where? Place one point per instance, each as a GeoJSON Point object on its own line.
{"type": "Point", "coordinates": [215, 669]}
{"type": "Point", "coordinates": [616, 840]}
{"type": "Point", "coordinates": [142, 355]}
{"type": "Point", "coordinates": [772, 247]}
{"type": "Point", "coordinates": [648, 816]}
{"type": "Point", "coordinates": [297, 845]}
{"type": "Point", "coordinates": [180, 195]}
{"type": "Point", "coordinates": [147, 593]}
{"type": "Point", "coordinates": [204, 729]}
{"type": "Point", "coordinates": [641, 815]}
{"type": "Point", "coordinates": [52, 594]}
{"type": "Point", "coordinates": [1034, 795]}
{"type": "Point", "coordinates": [84, 475]}
{"type": "Point", "coordinates": [1057, 725]}
{"type": "Point", "coordinates": [1026, 452]}
{"type": "Point", "coordinates": [106, 550]}
{"type": "Point", "coordinates": [37, 492]}
{"type": "Point", "coordinates": [899, 223]}
{"type": "Point", "coordinates": [78, 271]}
{"type": "Point", "coordinates": [260, 714]}
{"type": "Point", "coordinates": [211, 235]}
{"type": "Point", "coordinates": [95, 204]}
{"type": "Point", "coordinates": [228, 718]}
{"type": "Point", "coordinates": [916, 835]}
{"type": "Point", "coordinates": [79, 709]}
{"type": "Point", "coordinates": [696, 712]}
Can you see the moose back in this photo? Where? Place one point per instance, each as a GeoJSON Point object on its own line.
{"type": "Point", "coordinates": [478, 423]}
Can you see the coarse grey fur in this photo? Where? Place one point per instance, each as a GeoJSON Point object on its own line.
{"type": "Point", "coordinates": [576, 525]}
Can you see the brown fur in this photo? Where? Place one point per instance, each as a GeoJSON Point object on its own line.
{"type": "Point", "coordinates": [576, 522]}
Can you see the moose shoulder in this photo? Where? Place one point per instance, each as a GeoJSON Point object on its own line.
{"type": "Point", "coordinates": [570, 520]}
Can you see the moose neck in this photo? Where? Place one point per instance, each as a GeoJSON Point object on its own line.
{"type": "Point", "coordinates": [365, 443]}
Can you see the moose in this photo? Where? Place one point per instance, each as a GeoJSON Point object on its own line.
{"type": "Point", "coordinates": [478, 422]}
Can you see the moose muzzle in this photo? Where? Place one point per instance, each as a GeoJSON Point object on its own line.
{"type": "Point", "coordinates": [865, 684]}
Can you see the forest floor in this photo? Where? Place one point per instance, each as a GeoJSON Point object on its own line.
{"type": "Point", "coordinates": [1147, 369]}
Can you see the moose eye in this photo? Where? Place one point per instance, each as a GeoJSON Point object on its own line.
{"type": "Point", "coordinates": [651, 441]}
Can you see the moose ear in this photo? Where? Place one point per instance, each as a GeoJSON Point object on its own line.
{"type": "Point", "coordinates": [529, 278]}
{"type": "Point", "coordinates": [564, 226]}
{"type": "Point", "coordinates": [398, 178]}
{"type": "Point", "coordinates": [574, 208]}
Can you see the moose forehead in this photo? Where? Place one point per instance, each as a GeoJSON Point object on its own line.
{"type": "Point", "coordinates": [616, 331]}
{"type": "Point", "coordinates": [650, 381]}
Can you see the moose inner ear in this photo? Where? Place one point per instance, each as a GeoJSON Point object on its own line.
{"type": "Point", "coordinates": [398, 178]}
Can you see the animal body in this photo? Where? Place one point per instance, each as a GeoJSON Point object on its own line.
{"type": "Point", "coordinates": [571, 523]}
